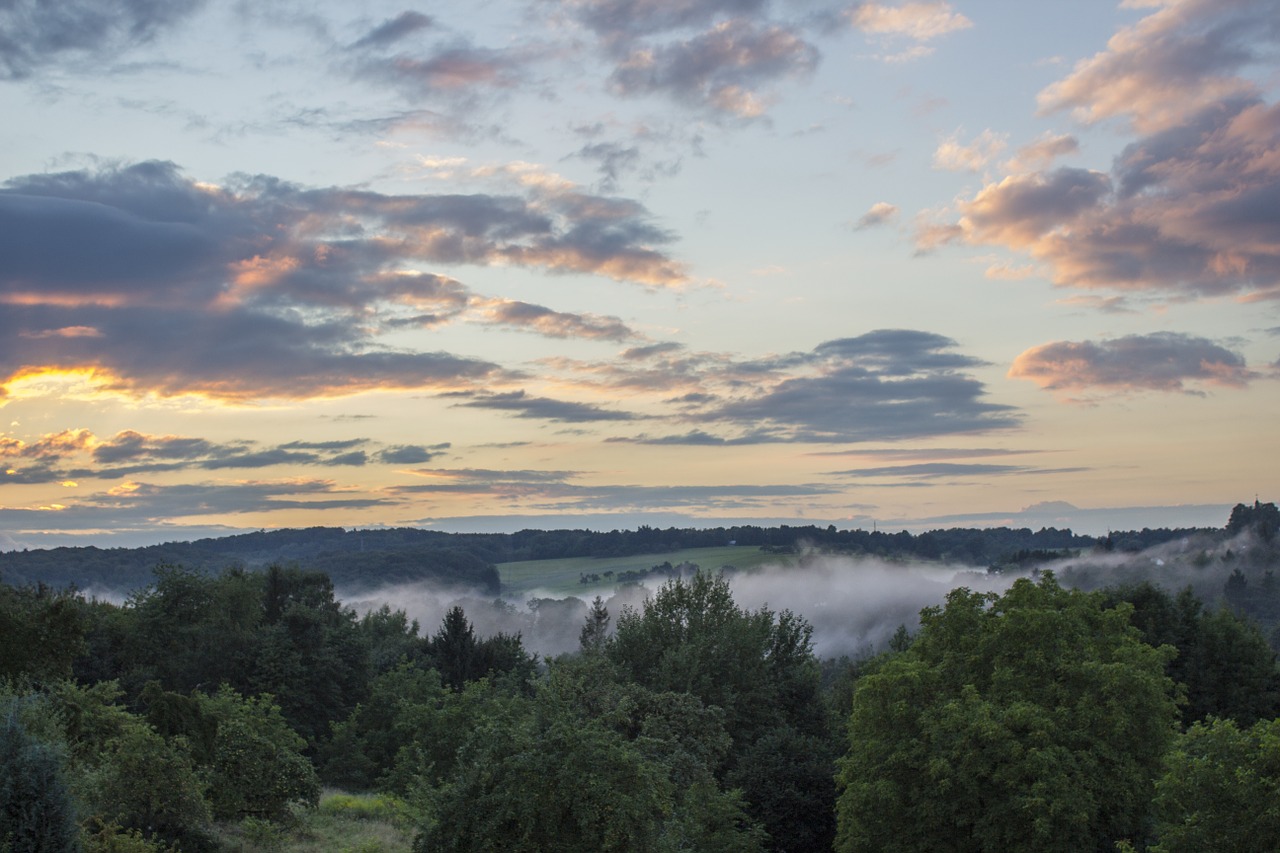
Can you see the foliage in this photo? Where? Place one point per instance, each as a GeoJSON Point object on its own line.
{"type": "Point", "coordinates": [100, 837]}
{"type": "Point", "coordinates": [36, 811]}
{"type": "Point", "coordinates": [758, 668]}
{"type": "Point", "coordinates": [1221, 790]}
{"type": "Point", "coordinates": [143, 782]}
{"type": "Point", "coordinates": [257, 767]}
{"type": "Point", "coordinates": [42, 632]}
{"type": "Point", "coordinates": [1031, 721]}
{"type": "Point", "coordinates": [591, 765]}
{"type": "Point", "coordinates": [1223, 661]}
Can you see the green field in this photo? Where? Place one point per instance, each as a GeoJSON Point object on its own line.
{"type": "Point", "coordinates": [562, 576]}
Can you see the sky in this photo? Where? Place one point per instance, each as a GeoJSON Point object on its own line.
{"type": "Point", "coordinates": [602, 263]}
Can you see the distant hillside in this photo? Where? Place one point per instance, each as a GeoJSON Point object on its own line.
{"type": "Point", "coordinates": [363, 559]}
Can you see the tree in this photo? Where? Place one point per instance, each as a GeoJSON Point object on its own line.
{"type": "Point", "coordinates": [590, 765]}
{"type": "Point", "coordinates": [1032, 721]}
{"type": "Point", "coordinates": [1221, 790]}
{"type": "Point", "coordinates": [42, 631]}
{"type": "Point", "coordinates": [256, 768]}
{"type": "Point", "coordinates": [595, 629]}
{"type": "Point", "coordinates": [36, 810]}
{"type": "Point", "coordinates": [1224, 664]}
{"type": "Point", "coordinates": [758, 668]}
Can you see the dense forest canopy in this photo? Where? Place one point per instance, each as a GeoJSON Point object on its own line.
{"type": "Point", "coordinates": [213, 705]}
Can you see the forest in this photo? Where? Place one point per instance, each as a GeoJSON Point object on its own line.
{"type": "Point", "coordinates": [1109, 696]}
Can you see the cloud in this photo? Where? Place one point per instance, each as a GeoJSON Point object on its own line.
{"type": "Point", "coordinates": [942, 470]}
{"type": "Point", "coordinates": [880, 213]}
{"type": "Point", "coordinates": [553, 324]}
{"type": "Point", "coordinates": [134, 505]}
{"type": "Point", "coordinates": [887, 384]}
{"type": "Point", "coordinates": [395, 29]}
{"type": "Point", "coordinates": [1176, 62]}
{"type": "Point", "coordinates": [1164, 361]}
{"type": "Point", "coordinates": [720, 69]}
{"type": "Point", "coordinates": [1021, 210]}
{"type": "Point", "coordinates": [626, 20]}
{"type": "Point", "coordinates": [543, 408]}
{"type": "Point", "coordinates": [262, 288]}
{"type": "Point", "coordinates": [81, 454]}
{"type": "Point", "coordinates": [554, 490]}
{"type": "Point", "coordinates": [1041, 153]}
{"type": "Point", "coordinates": [920, 21]}
{"type": "Point", "coordinates": [954, 156]}
{"type": "Point", "coordinates": [917, 23]}
{"type": "Point", "coordinates": [1187, 209]}
{"type": "Point", "coordinates": [35, 33]}
{"type": "Point", "coordinates": [456, 70]}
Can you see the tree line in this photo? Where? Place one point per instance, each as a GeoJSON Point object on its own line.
{"type": "Point", "coordinates": [362, 559]}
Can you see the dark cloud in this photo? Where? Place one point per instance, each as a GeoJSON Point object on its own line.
{"type": "Point", "coordinates": [545, 408]}
{"type": "Point", "coordinates": [722, 69]}
{"type": "Point", "coordinates": [554, 324]}
{"type": "Point", "coordinates": [410, 454]}
{"type": "Point", "coordinates": [394, 29]}
{"type": "Point", "coordinates": [613, 159]}
{"type": "Point", "coordinates": [887, 384]}
{"type": "Point", "coordinates": [938, 470]}
{"type": "Point", "coordinates": [1164, 361]}
{"type": "Point", "coordinates": [35, 33]}
{"type": "Point", "coordinates": [132, 446]}
{"type": "Point", "coordinates": [651, 350]}
{"type": "Point", "coordinates": [263, 288]}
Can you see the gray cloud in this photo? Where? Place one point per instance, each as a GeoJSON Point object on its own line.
{"type": "Point", "coordinates": [394, 29]}
{"type": "Point", "coordinates": [34, 33]}
{"type": "Point", "coordinates": [458, 70]}
{"type": "Point", "coordinates": [544, 408]}
{"type": "Point", "coordinates": [887, 384]}
{"type": "Point", "coordinates": [622, 21]}
{"type": "Point", "coordinates": [937, 470]}
{"type": "Point", "coordinates": [555, 324]}
{"type": "Point", "coordinates": [721, 69]}
{"type": "Point", "coordinates": [410, 454]}
{"type": "Point", "coordinates": [1163, 361]}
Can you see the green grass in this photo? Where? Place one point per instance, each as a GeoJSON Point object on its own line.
{"type": "Point", "coordinates": [561, 576]}
{"type": "Point", "coordinates": [343, 823]}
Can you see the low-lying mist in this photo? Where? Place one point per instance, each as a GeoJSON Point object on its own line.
{"type": "Point", "coordinates": [854, 604]}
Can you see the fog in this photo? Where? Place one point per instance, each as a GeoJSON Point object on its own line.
{"type": "Point", "coordinates": [853, 604]}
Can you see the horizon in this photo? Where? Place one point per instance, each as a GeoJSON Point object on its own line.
{"type": "Point", "coordinates": [907, 265]}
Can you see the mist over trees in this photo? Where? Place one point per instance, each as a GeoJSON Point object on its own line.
{"type": "Point", "coordinates": [1036, 706]}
